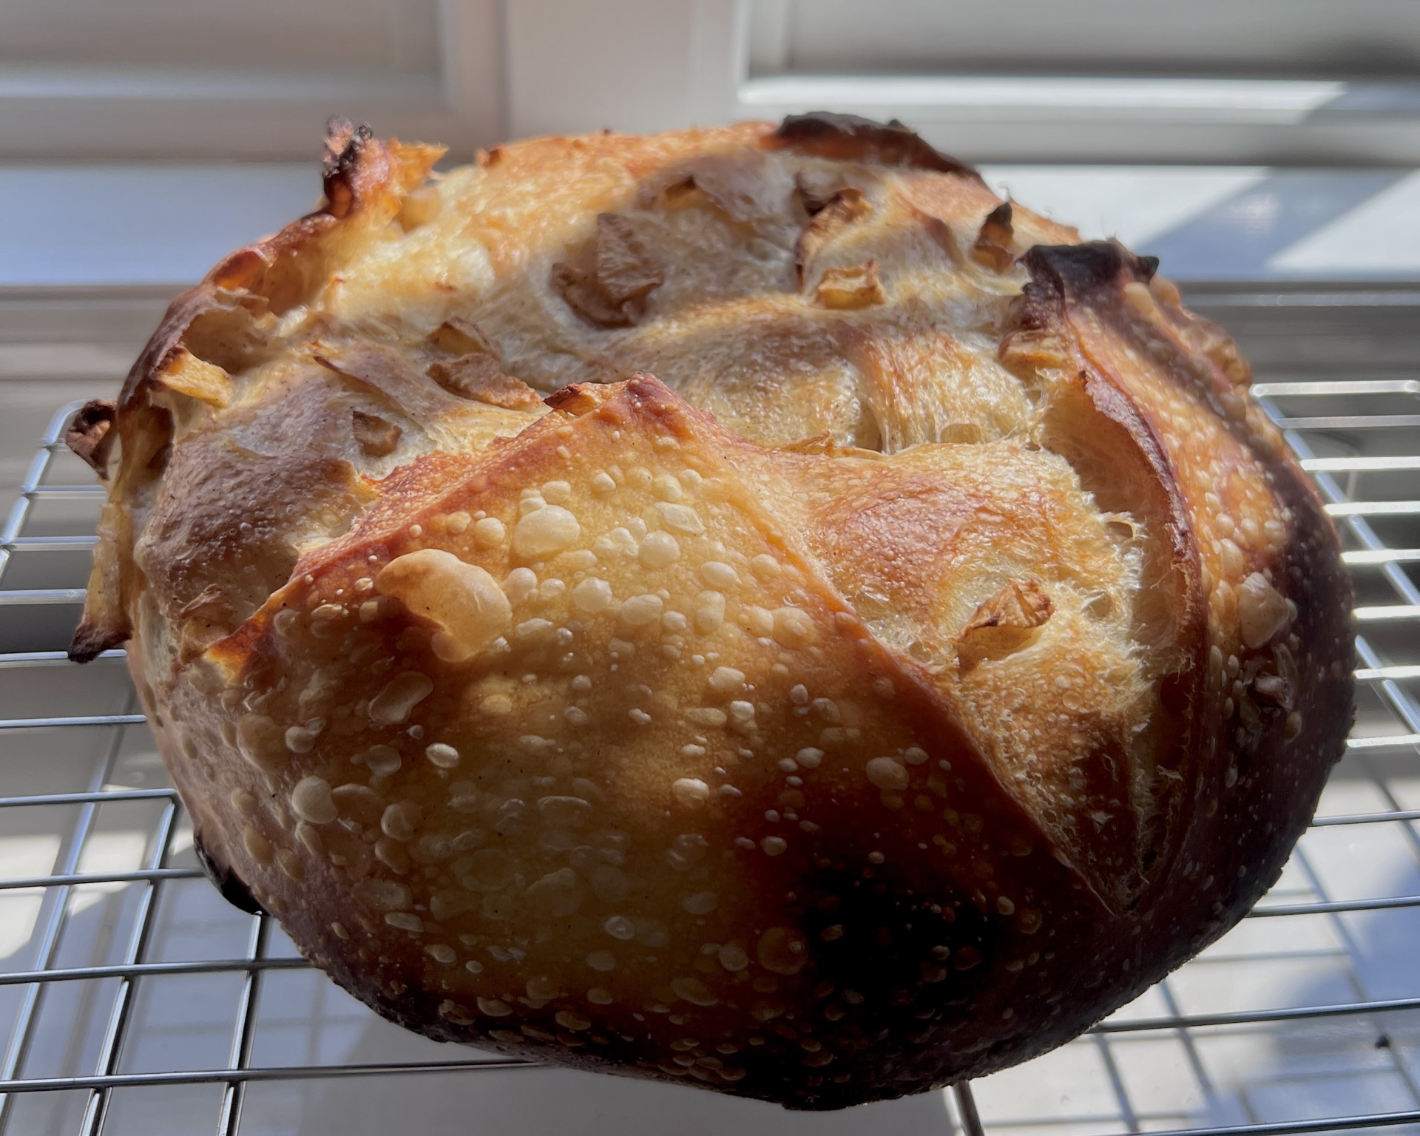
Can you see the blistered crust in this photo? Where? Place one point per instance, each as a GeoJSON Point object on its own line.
{"type": "Point", "coordinates": [745, 607]}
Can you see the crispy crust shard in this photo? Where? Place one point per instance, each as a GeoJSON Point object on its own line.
{"type": "Point", "coordinates": [90, 435]}
{"type": "Point", "coordinates": [686, 607]}
{"type": "Point", "coordinates": [993, 243]}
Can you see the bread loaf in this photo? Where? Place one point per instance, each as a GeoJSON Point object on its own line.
{"type": "Point", "coordinates": [744, 607]}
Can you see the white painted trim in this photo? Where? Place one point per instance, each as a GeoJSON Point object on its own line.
{"type": "Point", "coordinates": [526, 67]}
{"type": "Point", "coordinates": [472, 50]}
{"type": "Point", "coordinates": [719, 59]}
{"type": "Point", "coordinates": [771, 24]}
{"type": "Point", "coordinates": [575, 66]}
{"type": "Point", "coordinates": [597, 76]}
{"type": "Point", "coordinates": [1202, 100]}
{"type": "Point", "coordinates": [1178, 121]}
{"type": "Point", "coordinates": [88, 113]}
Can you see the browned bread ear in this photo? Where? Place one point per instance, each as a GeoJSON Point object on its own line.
{"type": "Point", "coordinates": [744, 607]}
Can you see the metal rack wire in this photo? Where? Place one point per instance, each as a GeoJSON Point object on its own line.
{"type": "Point", "coordinates": [133, 999]}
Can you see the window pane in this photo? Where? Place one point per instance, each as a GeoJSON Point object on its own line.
{"type": "Point", "coordinates": [1252, 38]}
{"type": "Point", "coordinates": [396, 35]}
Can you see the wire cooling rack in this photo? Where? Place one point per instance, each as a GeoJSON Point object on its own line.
{"type": "Point", "coordinates": [134, 1000]}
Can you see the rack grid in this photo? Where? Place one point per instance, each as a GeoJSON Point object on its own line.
{"type": "Point", "coordinates": [133, 999]}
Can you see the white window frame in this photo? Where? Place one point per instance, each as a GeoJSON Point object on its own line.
{"type": "Point", "coordinates": [98, 113]}
{"type": "Point", "coordinates": [515, 68]}
{"type": "Point", "coordinates": [609, 49]}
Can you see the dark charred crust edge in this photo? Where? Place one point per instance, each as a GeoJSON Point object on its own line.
{"type": "Point", "coordinates": [849, 138]}
{"type": "Point", "coordinates": [90, 642]}
{"type": "Point", "coordinates": [90, 435]}
{"type": "Point", "coordinates": [1061, 272]}
{"type": "Point", "coordinates": [345, 144]}
{"type": "Point", "coordinates": [225, 880]}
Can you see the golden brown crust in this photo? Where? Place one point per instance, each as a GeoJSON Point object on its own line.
{"type": "Point", "coordinates": [935, 651]}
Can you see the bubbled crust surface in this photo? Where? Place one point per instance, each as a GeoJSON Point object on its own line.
{"type": "Point", "coordinates": [895, 640]}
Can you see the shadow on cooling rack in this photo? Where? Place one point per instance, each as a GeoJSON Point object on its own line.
{"type": "Point", "coordinates": [1351, 1063]}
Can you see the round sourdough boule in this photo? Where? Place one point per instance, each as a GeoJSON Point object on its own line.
{"type": "Point", "coordinates": [938, 649]}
